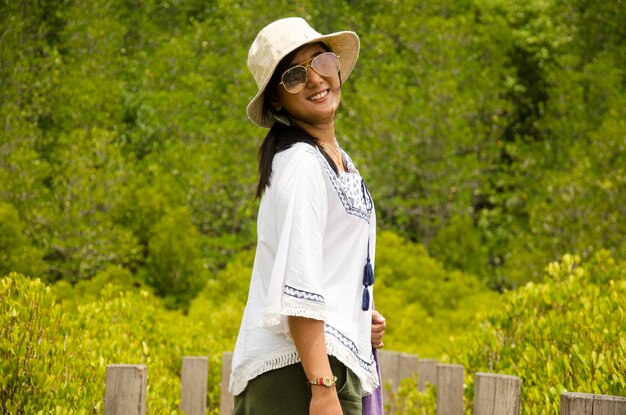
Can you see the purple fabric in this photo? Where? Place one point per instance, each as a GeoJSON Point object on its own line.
{"type": "Point", "coordinates": [373, 404]}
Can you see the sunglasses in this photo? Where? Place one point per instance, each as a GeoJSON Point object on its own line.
{"type": "Point", "coordinates": [294, 79]}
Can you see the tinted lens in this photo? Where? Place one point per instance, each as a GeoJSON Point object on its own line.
{"type": "Point", "coordinates": [326, 64]}
{"type": "Point", "coordinates": [294, 78]}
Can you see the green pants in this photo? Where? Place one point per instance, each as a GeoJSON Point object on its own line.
{"type": "Point", "coordinates": [285, 391]}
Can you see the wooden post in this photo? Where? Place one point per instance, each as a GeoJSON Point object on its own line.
{"type": "Point", "coordinates": [450, 389]}
{"type": "Point", "coordinates": [193, 385]}
{"type": "Point", "coordinates": [426, 373]}
{"type": "Point", "coordinates": [125, 390]}
{"type": "Point", "coordinates": [407, 366]}
{"type": "Point", "coordinates": [389, 366]}
{"type": "Point", "coordinates": [574, 403]}
{"type": "Point", "coordinates": [227, 400]}
{"type": "Point", "coordinates": [496, 394]}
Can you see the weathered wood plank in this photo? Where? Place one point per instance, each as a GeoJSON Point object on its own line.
{"type": "Point", "coordinates": [450, 389]}
{"type": "Point", "coordinates": [227, 400]}
{"type": "Point", "coordinates": [389, 367]}
{"type": "Point", "coordinates": [193, 385]}
{"type": "Point", "coordinates": [496, 394]}
{"type": "Point", "coordinates": [426, 373]}
{"type": "Point", "coordinates": [575, 403]}
{"type": "Point", "coordinates": [407, 366]}
{"type": "Point", "coordinates": [125, 389]}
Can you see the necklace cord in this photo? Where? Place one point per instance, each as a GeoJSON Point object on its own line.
{"type": "Point", "coordinates": [335, 150]}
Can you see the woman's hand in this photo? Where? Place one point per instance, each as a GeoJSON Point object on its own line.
{"type": "Point", "coordinates": [378, 329]}
{"type": "Point", "coordinates": [308, 336]}
{"type": "Point", "coordinates": [324, 401]}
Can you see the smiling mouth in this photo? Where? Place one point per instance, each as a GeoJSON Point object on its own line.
{"type": "Point", "coordinates": [318, 96]}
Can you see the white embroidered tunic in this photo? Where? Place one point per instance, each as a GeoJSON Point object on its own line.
{"type": "Point", "coordinates": [314, 230]}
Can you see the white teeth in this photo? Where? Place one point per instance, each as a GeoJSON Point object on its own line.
{"type": "Point", "coordinates": [318, 95]}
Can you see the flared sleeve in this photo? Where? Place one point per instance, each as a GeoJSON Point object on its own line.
{"type": "Point", "coordinates": [299, 210]}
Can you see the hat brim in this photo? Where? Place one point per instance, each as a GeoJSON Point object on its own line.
{"type": "Point", "coordinates": [344, 44]}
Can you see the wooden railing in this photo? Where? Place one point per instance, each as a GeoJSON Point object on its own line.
{"type": "Point", "coordinates": [495, 394]}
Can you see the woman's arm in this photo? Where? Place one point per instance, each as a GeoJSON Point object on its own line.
{"type": "Point", "coordinates": [308, 336]}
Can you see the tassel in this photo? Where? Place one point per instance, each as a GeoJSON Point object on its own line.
{"type": "Point", "coordinates": [368, 279]}
{"type": "Point", "coordinates": [368, 274]}
{"type": "Point", "coordinates": [365, 303]}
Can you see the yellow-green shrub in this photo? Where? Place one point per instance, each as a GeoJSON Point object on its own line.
{"type": "Point", "coordinates": [32, 339]}
{"type": "Point", "coordinates": [566, 334]}
{"type": "Point", "coordinates": [54, 354]}
{"type": "Point", "coordinates": [424, 304]}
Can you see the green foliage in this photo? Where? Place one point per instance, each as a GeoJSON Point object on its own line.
{"type": "Point", "coordinates": [54, 354]}
{"type": "Point", "coordinates": [15, 251]}
{"type": "Point", "coordinates": [424, 304]}
{"type": "Point", "coordinates": [407, 400]}
{"type": "Point", "coordinates": [31, 333]}
{"type": "Point", "coordinates": [564, 334]}
{"type": "Point", "coordinates": [89, 171]}
{"type": "Point", "coordinates": [459, 246]}
{"type": "Point", "coordinates": [488, 131]}
{"type": "Point", "coordinates": [174, 266]}
{"type": "Point", "coordinates": [590, 184]}
{"type": "Point", "coordinates": [220, 305]}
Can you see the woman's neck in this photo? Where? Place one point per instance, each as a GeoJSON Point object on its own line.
{"type": "Point", "coordinates": [324, 133]}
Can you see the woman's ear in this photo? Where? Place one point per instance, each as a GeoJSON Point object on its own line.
{"type": "Point", "coordinates": [275, 103]}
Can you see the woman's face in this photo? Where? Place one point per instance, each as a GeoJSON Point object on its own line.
{"type": "Point", "coordinates": [317, 102]}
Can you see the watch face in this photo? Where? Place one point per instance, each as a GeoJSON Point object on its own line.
{"type": "Point", "coordinates": [328, 381]}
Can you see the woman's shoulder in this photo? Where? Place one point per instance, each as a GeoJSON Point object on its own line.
{"type": "Point", "coordinates": [302, 149]}
{"type": "Point", "coordinates": [299, 156]}
{"type": "Point", "coordinates": [297, 168]}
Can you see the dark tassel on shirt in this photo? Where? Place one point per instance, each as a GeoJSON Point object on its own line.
{"type": "Point", "coordinates": [365, 303]}
{"type": "Point", "coordinates": [368, 274]}
{"type": "Point", "coordinates": [368, 280]}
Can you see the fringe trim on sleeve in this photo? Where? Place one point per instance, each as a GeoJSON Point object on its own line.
{"type": "Point", "coordinates": [275, 361]}
{"type": "Point", "coordinates": [275, 319]}
{"type": "Point", "coordinates": [367, 376]}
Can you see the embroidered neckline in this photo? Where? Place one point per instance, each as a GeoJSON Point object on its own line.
{"type": "Point", "coordinates": [349, 187]}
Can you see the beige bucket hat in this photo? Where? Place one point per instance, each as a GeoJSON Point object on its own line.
{"type": "Point", "coordinates": [277, 40]}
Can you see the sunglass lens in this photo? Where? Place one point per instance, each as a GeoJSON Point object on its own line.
{"type": "Point", "coordinates": [326, 64]}
{"type": "Point", "coordinates": [294, 78]}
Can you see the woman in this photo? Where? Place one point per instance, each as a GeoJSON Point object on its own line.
{"type": "Point", "coordinates": [308, 335]}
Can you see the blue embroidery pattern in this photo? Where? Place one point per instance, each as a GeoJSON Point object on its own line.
{"type": "Point", "coordinates": [305, 295]}
{"type": "Point", "coordinates": [349, 187]}
{"type": "Point", "coordinates": [350, 345]}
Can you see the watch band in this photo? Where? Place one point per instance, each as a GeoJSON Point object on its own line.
{"type": "Point", "coordinates": [327, 381]}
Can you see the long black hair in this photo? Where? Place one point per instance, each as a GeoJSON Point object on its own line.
{"type": "Point", "coordinates": [281, 136]}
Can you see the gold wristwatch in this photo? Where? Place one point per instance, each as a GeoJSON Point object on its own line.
{"type": "Point", "coordinates": [327, 381]}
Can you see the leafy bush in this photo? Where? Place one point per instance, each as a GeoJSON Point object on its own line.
{"type": "Point", "coordinates": [31, 344]}
{"type": "Point", "coordinates": [68, 343]}
{"type": "Point", "coordinates": [564, 334]}
{"type": "Point", "coordinates": [495, 140]}
{"type": "Point", "coordinates": [54, 354]}
{"type": "Point", "coordinates": [16, 253]}
{"type": "Point", "coordinates": [425, 304]}
{"type": "Point", "coordinates": [174, 266]}
{"type": "Point", "coordinates": [458, 245]}
{"type": "Point", "coordinates": [407, 400]}
{"type": "Point", "coordinates": [568, 333]}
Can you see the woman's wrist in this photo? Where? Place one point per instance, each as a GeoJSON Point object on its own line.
{"type": "Point", "coordinates": [317, 392]}
{"type": "Point", "coordinates": [323, 381]}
